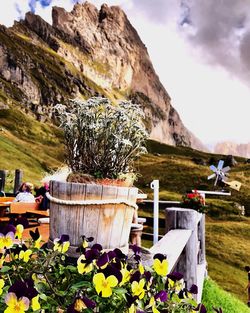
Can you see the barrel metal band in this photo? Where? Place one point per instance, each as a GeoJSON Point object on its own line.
{"type": "Point", "coordinates": [90, 202]}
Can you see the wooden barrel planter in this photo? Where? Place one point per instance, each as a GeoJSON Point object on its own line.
{"type": "Point", "coordinates": [109, 224]}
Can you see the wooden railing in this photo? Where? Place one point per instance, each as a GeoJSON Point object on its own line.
{"type": "Point", "coordinates": [184, 245]}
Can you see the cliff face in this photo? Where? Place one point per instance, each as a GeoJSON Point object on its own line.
{"type": "Point", "coordinates": [242, 150]}
{"type": "Point", "coordinates": [85, 52]}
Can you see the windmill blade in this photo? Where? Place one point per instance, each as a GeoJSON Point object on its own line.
{"type": "Point", "coordinates": [234, 185]}
{"type": "Point", "coordinates": [226, 169]}
{"type": "Point", "coordinates": [220, 164]}
{"type": "Point", "coordinates": [213, 168]}
{"type": "Point", "coordinates": [211, 176]}
{"type": "Point", "coordinates": [216, 180]}
{"type": "Point", "coordinates": [225, 179]}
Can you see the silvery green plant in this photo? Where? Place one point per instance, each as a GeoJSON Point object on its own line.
{"type": "Point", "coordinates": [102, 139]}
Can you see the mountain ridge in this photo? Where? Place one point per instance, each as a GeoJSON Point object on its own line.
{"type": "Point", "coordinates": [85, 52]}
{"type": "Point", "coordinates": [229, 147]}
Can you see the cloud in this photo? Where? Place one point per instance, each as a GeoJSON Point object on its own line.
{"type": "Point", "coordinates": [43, 3]}
{"type": "Point", "coordinates": [220, 30]}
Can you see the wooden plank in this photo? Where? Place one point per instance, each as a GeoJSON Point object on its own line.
{"type": "Point", "coordinates": [172, 244]}
{"type": "Point", "coordinates": [117, 227]}
{"type": "Point", "coordinates": [128, 217]}
{"type": "Point", "coordinates": [107, 213]}
{"type": "Point", "coordinates": [91, 212]}
{"type": "Point", "coordinates": [201, 238]}
{"type": "Point", "coordinates": [23, 207]}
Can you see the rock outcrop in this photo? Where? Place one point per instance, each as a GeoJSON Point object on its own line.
{"type": "Point", "coordinates": [85, 52]}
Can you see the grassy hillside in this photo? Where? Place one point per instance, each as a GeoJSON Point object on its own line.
{"type": "Point", "coordinates": [227, 232]}
{"type": "Point", "coordinates": [215, 297]}
{"type": "Point", "coordinates": [25, 143]}
{"type": "Point", "coordinates": [37, 149]}
{"type": "Point", "coordinates": [178, 171]}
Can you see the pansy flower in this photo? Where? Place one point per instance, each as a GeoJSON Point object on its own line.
{"type": "Point", "coordinates": [135, 276]}
{"type": "Point", "coordinates": [25, 255]}
{"type": "Point", "coordinates": [161, 296]}
{"type": "Point", "coordinates": [81, 303]}
{"type": "Point", "coordinates": [125, 275]}
{"type": "Point", "coordinates": [19, 231]}
{"type": "Point", "coordinates": [175, 280]}
{"type": "Point", "coordinates": [138, 288]}
{"type": "Point", "coordinates": [103, 260]}
{"type": "Point", "coordinates": [24, 289]}
{"type": "Point", "coordinates": [61, 244]}
{"type": "Point", "coordinates": [112, 269]}
{"type": "Point", "coordinates": [19, 292]}
{"type": "Point", "coordinates": [103, 285]}
{"type": "Point", "coordinates": [84, 244]}
{"type": "Point", "coordinates": [17, 305]}
{"type": "Point", "coordinates": [35, 235]}
{"type": "Point", "coordinates": [83, 266]}
{"type": "Point", "coordinates": [7, 240]}
{"type": "Point", "coordinates": [160, 264]}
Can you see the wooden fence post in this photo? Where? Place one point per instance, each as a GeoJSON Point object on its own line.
{"type": "Point", "coordinates": [179, 218]}
{"type": "Point", "coordinates": [3, 174]}
{"type": "Point", "coordinates": [18, 180]}
{"type": "Point", "coordinates": [201, 238]}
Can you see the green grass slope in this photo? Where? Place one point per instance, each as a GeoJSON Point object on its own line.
{"type": "Point", "coordinates": [215, 297]}
{"type": "Point", "coordinates": [27, 144]}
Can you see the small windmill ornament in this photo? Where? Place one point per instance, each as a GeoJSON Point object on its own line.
{"type": "Point", "coordinates": [221, 176]}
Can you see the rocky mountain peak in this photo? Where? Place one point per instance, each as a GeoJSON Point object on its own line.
{"type": "Point", "coordinates": [83, 53]}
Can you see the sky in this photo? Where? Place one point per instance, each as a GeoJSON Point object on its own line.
{"type": "Point", "coordinates": [199, 49]}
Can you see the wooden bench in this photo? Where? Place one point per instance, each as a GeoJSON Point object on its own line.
{"type": "Point", "coordinates": [6, 199]}
{"type": "Point", "coordinates": [23, 207]}
{"type": "Point", "coordinates": [27, 209]}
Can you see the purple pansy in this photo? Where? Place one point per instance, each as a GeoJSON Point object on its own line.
{"type": "Point", "coordinates": [162, 295]}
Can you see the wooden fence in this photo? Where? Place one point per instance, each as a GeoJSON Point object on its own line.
{"type": "Point", "coordinates": [184, 245]}
{"type": "Point", "coordinates": [17, 180]}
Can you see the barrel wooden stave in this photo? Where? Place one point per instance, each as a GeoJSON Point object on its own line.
{"type": "Point", "coordinates": [109, 224]}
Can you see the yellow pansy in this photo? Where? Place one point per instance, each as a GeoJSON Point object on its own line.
{"type": "Point", "coordinates": [16, 305]}
{"type": "Point", "coordinates": [19, 231]}
{"type": "Point", "coordinates": [61, 245]}
{"type": "Point", "coordinates": [37, 243]}
{"type": "Point", "coordinates": [138, 288]}
{"type": "Point", "coordinates": [104, 285]}
{"type": "Point", "coordinates": [125, 276]}
{"type": "Point", "coordinates": [25, 255]}
{"type": "Point", "coordinates": [82, 267]}
{"type": "Point", "coordinates": [161, 267]}
{"type": "Point", "coordinates": [35, 303]}
{"type": "Point", "coordinates": [7, 241]}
